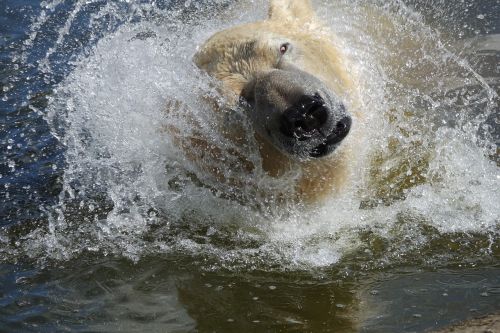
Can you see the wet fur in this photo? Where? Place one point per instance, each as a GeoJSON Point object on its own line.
{"type": "Point", "coordinates": [237, 56]}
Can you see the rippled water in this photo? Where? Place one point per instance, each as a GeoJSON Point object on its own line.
{"type": "Point", "coordinates": [107, 226]}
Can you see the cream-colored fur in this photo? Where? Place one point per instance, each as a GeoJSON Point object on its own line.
{"type": "Point", "coordinates": [225, 57]}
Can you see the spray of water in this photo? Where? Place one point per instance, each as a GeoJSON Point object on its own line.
{"type": "Point", "coordinates": [128, 189]}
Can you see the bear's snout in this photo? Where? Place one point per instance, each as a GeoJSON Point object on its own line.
{"type": "Point", "coordinates": [297, 113]}
{"type": "Point", "coordinates": [307, 116]}
{"type": "Point", "coordinates": [338, 134]}
{"type": "Point", "coordinates": [310, 121]}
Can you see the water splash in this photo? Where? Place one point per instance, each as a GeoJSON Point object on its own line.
{"type": "Point", "coordinates": [129, 191]}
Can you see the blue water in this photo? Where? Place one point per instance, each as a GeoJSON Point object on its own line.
{"type": "Point", "coordinates": [96, 275]}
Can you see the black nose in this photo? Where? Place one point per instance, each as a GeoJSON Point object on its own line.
{"type": "Point", "coordinates": [303, 118]}
{"type": "Point", "coordinates": [342, 128]}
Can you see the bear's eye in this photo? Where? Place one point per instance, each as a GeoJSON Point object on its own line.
{"type": "Point", "coordinates": [284, 47]}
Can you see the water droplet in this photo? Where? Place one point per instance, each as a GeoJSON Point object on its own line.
{"type": "Point", "coordinates": [23, 303]}
{"type": "Point", "coordinates": [22, 280]}
{"type": "Point", "coordinates": [211, 231]}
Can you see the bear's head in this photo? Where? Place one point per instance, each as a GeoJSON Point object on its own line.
{"type": "Point", "coordinates": [289, 71]}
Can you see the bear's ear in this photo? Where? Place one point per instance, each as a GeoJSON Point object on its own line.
{"type": "Point", "coordinates": [290, 10]}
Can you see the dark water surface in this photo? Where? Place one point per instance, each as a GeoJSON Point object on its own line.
{"type": "Point", "coordinates": [105, 228]}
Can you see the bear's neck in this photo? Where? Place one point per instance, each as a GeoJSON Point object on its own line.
{"type": "Point", "coordinates": [318, 179]}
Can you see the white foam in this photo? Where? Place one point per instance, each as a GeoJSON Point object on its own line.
{"type": "Point", "coordinates": [109, 114]}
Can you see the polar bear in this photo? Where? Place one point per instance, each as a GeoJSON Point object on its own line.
{"type": "Point", "coordinates": [301, 92]}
